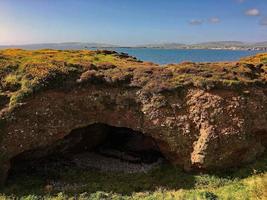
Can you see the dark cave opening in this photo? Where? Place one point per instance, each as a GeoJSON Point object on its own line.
{"type": "Point", "coordinates": [97, 146]}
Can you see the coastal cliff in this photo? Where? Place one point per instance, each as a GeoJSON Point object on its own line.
{"type": "Point", "coordinates": [202, 116]}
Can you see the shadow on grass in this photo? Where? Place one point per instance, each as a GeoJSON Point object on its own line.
{"type": "Point", "coordinates": [74, 181]}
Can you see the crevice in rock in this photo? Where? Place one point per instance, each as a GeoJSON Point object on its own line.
{"type": "Point", "coordinates": [261, 135]}
{"type": "Point", "coordinates": [98, 146]}
{"type": "Point", "coordinates": [4, 100]}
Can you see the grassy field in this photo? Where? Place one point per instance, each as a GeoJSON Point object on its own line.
{"type": "Point", "coordinates": [164, 183]}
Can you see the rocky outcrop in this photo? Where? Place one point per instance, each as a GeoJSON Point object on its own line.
{"type": "Point", "coordinates": [194, 127]}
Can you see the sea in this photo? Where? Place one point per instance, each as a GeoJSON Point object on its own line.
{"type": "Point", "coordinates": [167, 56]}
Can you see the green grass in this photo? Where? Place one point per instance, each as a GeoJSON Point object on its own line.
{"type": "Point", "coordinates": [166, 183]}
{"type": "Point", "coordinates": [264, 61]}
{"type": "Point", "coordinates": [23, 72]}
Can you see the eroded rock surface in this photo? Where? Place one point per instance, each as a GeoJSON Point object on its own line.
{"type": "Point", "coordinates": [196, 128]}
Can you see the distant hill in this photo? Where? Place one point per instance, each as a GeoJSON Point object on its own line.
{"type": "Point", "coordinates": [261, 44]}
{"type": "Point", "coordinates": [63, 46]}
{"type": "Point", "coordinates": [220, 44]}
{"type": "Point", "coordinates": [234, 45]}
{"type": "Point", "coordinates": [212, 45]}
{"type": "Point", "coordinates": [164, 46]}
{"type": "Point", "coordinates": [229, 44]}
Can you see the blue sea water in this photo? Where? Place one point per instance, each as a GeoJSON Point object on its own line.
{"type": "Point", "coordinates": [166, 56]}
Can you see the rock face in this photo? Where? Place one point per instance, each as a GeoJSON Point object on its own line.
{"type": "Point", "coordinates": [195, 128]}
{"type": "Point", "coordinates": [199, 130]}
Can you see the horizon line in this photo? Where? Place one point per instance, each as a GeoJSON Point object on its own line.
{"type": "Point", "coordinates": [120, 45]}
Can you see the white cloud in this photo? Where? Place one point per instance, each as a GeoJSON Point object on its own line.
{"type": "Point", "coordinates": [263, 21]}
{"type": "Point", "coordinates": [253, 12]}
{"type": "Point", "coordinates": [196, 22]}
{"type": "Point", "coordinates": [215, 20]}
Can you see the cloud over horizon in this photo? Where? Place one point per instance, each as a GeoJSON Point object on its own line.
{"type": "Point", "coordinates": [252, 12]}
{"type": "Point", "coordinates": [215, 20]}
{"type": "Point", "coordinates": [196, 22]}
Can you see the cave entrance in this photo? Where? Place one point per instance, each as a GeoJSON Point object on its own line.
{"type": "Point", "coordinates": [98, 146]}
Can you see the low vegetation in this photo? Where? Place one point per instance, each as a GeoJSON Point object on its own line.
{"type": "Point", "coordinates": [23, 72]}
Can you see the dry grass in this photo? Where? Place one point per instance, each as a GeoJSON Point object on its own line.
{"type": "Point", "coordinates": [23, 72]}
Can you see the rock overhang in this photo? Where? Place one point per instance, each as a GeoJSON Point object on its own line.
{"type": "Point", "coordinates": [203, 115]}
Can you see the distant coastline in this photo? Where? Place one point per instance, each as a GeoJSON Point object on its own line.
{"type": "Point", "coordinates": [198, 48]}
{"type": "Point", "coordinates": [221, 45]}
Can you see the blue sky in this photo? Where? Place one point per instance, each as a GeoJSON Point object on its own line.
{"type": "Point", "coordinates": [132, 22]}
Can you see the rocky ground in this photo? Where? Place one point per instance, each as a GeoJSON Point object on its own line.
{"type": "Point", "coordinates": [111, 161]}
{"type": "Point", "coordinates": [107, 164]}
{"type": "Point", "coordinates": [165, 182]}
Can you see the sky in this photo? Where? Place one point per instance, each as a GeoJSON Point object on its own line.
{"type": "Point", "coordinates": [132, 22]}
